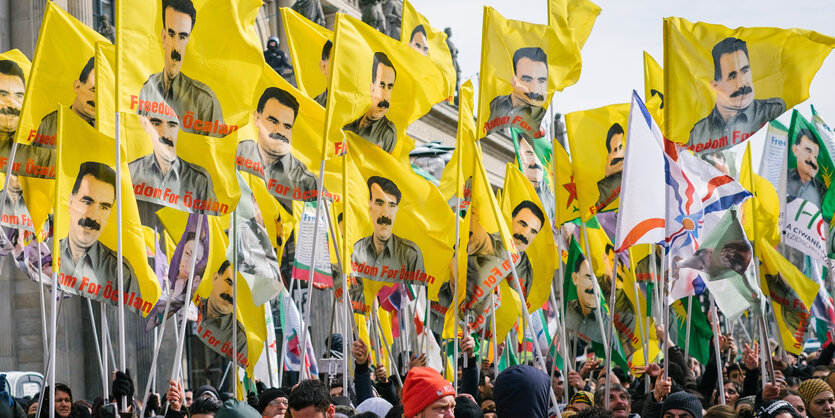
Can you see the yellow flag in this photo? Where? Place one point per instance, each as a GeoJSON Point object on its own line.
{"type": "Point", "coordinates": [20, 59]}
{"type": "Point", "coordinates": [723, 84]}
{"type": "Point", "coordinates": [378, 87]}
{"type": "Point", "coordinates": [310, 48]}
{"type": "Point", "coordinates": [61, 74]}
{"type": "Point", "coordinates": [532, 236]}
{"type": "Point", "coordinates": [597, 138]}
{"type": "Point", "coordinates": [791, 294]}
{"type": "Point", "coordinates": [418, 34]}
{"type": "Point", "coordinates": [509, 312]}
{"type": "Point", "coordinates": [215, 309]}
{"type": "Point", "coordinates": [566, 188]}
{"type": "Point", "coordinates": [398, 224]}
{"type": "Point", "coordinates": [85, 232]}
{"type": "Point", "coordinates": [654, 89]}
{"type": "Point", "coordinates": [522, 65]}
{"type": "Point", "coordinates": [105, 67]}
{"type": "Point", "coordinates": [196, 61]}
{"type": "Point", "coordinates": [461, 164]}
{"type": "Point", "coordinates": [578, 15]}
{"type": "Point", "coordinates": [763, 208]}
{"type": "Point", "coordinates": [199, 172]}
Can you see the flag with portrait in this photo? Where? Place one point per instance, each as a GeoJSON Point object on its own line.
{"type": "Point", "coordinates": [422, 37]}
{"type": "Point", "coordinates": [311, 50]}
{"type": "Point", "coordinates": [86, 217]}
{"type": "Point", "coordinates": [654, 89]}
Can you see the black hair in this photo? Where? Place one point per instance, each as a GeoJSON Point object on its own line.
{"type": "Point", "coordinates": [615, 129]}
{"type": "Point", "coordinates": [808, 134]}
{"type": "Point", "coordinates": [416, 30]}
{"type": "Point", "coordinates": [533, 53]}
{"type": "Point", "coordinates": [527, 204]}
{"type": "Point", "coordinates": [284, 97]}
{"type": "Point", "coordinates": [381, 58]}
{"type": "Point", "coordinates": [223, 266]}
{"type": "Point", "coordinates": [182, 6]}
{"type": "Point", "coordinates": [326, 50]}
{"type": "Point", "coordinates": [579, 262]}
{"type": "Point", "coordinates": [387, 185]}
{"type": "Point", "coordinates": [88, 68]}
{"type": "Point", "coordinates": [310, 392]}
{"type": "Point", "coordinates": [206, 405]}
{"type": "Point", "coordinates": [10, 67]}
{"type": "Point", "coordinates": [99, 171]}
{"type": "Point", "coordinates": [726, 46]}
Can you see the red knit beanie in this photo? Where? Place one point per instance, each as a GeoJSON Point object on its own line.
{"type": "Point", "coordinates": [423, 386]}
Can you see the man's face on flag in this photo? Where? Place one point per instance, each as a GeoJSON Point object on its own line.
{"type": "Point", "coordinates": [89, 209]}
{"type": "Point", "coordinates": [735, 88]}
{"type": "Point", "coordinates": [530, 84]}
{"type": "Point", "coordinates": [275, 128]}
{"type": "Point", "coordinates": [584, 282]}
{"type": "Point", "coordinates": [531, 166]}
{"type": "Point", "coordinates": [381, 88]}
{"type": "Point", "coordinates": [525, 227]}
{"type": "Point", "coordinates": [806, 153]}
{"type": "Point", "coordinates": [164, 142]}
{"type": "Point", "coordinates": [383, 211]}
{"type": "Point", "coordinates": [614, 160]}
{"type": "Point", "coordinates": [85, 96]}
{"type": "Point", "coordinates": [11, 99]}
{"type": "Point", "coordinates": [325, 68]}
{"type": "Point", "coordinates": [190, 250]}
{"type": "Point", "coordinates": [419, 44]}
{"type": "Point", "coordinates": [220, 299]}
{"type": "Point", "coordinates": [175, 35]}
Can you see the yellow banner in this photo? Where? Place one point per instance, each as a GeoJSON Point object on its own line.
{"type": "Point", "coordinates": [85, 242]}
{"type": "Point", "coordinates": [195, 61]}
{"type": "Point", "coordinates": [522, 65]}
{"type": "Point", "coordinates": [654, 89]}
{"type": "Point", "coordinates": [105, 67]}
{"type": "Point", "coordinates": [378, 87]}
{"type": "Point", "coordinates": [566, 188]}
{"type": "Point", "coordinates": [723, 84]}
{"type": "Point", "coordinates": [310, 48]}
{"type": "Point", "coordinates": [597, 138]}
{"type": "Point", "coordinates": [422, 37]}
{"type": "Point", "coordinates": [577, 15]}
{"type": "Point", "coordinates": [763, 208]}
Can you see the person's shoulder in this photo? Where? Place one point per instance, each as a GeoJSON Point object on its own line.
{"type": "Point", "coordinates": [362, 241]}
{"type": "Point", "coordinates": [50, 117]}
{"type": "Point", "coordinates": [153, 78]}
{"type": "Point", "coordinates": [772, 106]}
{"type": "Point", "coordinates": [389, 124]}
{"type": "Point", "coordinates": [199, 86]}
{"type": "Point", "coordinates": [137, 163]}
{"type": "Point", "coordinates": [698, 132]}
{"type": "Point", "coordinates": [499, 100]}
{"type": "Point", "coordinates": [193, 169]}
{"type": "Point", "coordinates": [407, 244]}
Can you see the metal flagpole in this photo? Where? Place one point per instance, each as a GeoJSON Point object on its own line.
{"type": "Point", "coordinates": [716, 348]}
{"type": "Point", "coordinates": [458, 281]}
{"type": "Point", "coordinates": [44, 325]}
{"type": "Point", "coordinates": [665, 314]}
{"type": "Point", "coordinates": [103, 322]}
{"type": "Point", "coordinates": [596, 287]}
{"type": "Point", "coordinates": [48, 360]}
{"type": "Point", "coordinates": [54, 340]}
{"type": "Point", "coordinates": [392, 360]}
{"type": "Point", "coordinates": [119, 256]}
{"type": "Point", "coordinates": [493, 322]}
{"type": "Point", "coordinates": [346, 303]}
{"type": "Point", "coordinates": [234, 226]}
{"type": "Point", "coordinates": [157, 344]}
{"type": "Point", "coordinates": [96, 339]}
{"type": "Point", "coordinates": [9, 170]}
{"type": "Point", "coordinates": [641, 326]}
{"type": "Point", "coordinates": [110, 346]}
{"type": "Point", "coordinates": [609, 337]}
{"type": "Point", "coordinates": [178, 356]}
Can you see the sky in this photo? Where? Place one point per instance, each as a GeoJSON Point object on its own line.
{"type": "Point", "coordinates": [612, 56]}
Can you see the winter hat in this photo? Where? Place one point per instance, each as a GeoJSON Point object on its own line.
{"type": "Point", "coordinates": [773, 408]}
{"type": "Point", "coordinates": [206, 390]}
{"type": "Point", "coordinates": [236, 409]}
{"type": "Point", "coordinates": [378, 406]}
{"type": "Point", "coordinates": [582, 397]}
{"type": "Point", "coordinates": [684, 401]}
{"type": "Point", "coordinates": [268, 396]}
{"type": "Point", "coordinates": [811, 388]}
{"type": "Point", "coordinates": [522, 390]}
{"type": "Point", "coordinates": [423, 386]}
{"type": "Point", "coordinates": [466, 408]}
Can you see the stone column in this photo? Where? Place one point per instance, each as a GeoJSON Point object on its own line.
{"type": "Point", "coordinates": [82, 10]}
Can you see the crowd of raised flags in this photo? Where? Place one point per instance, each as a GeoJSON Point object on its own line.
{"type": "Point", "coordinates": [176, 170]}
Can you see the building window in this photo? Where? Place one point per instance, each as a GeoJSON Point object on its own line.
{"type": "Point", "coordinates": [103, 8]}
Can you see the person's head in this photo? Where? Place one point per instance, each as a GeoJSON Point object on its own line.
{"type": "Point", "coordinates": [558, 383]}
{"type": "Point", "coordinates": [488, 407]}
{"type": "Point", "coordinates": [85, 90]}
{"type": "Point", "coordinates": [272, 43]}
{"type": "Point", "coordinates": [448, 32]}
{"type": "Point", "coordinates": [189, 395]}
{"type": "Point", "coordinates": [530, 75]}
{"type": "Point", "coordinates": [192, 249]}
{"type": "Point", "coordinates": [310, 399]}
{"type": "Point", "coordinates": [12, 89]}
{"type": "Point", "coordinates": [275, 116]}
{"type": "Point", "coordinates": [427, 394]}
{"type": "Point", "coordinates": [465, 407]}
{"type": "Point", "coordinates": [378, 406]}
{"type": "Point", "coordinates": [594, 412]}
{"type": "Point", "coordinates": [732, 392]}
{"type": "Point", "coordinates": [583, 280]}
{"type": "Point", "coordinates": [777, 409]}
{"type": "Point", "coordinates": [806, 149]}
{"type": "Point", "coordinates": [220, 299]}
{"type": "Point", "coordinates": [735, 373]}
{"type": "Point", "coordinates": [720, 411]}
{"type": "Point", "coordinates": [745, 406]}
{"type": "Point", "coordinates": [614, 149]}
{"type": "Point", "coordinates": [522, 390]}
{"type": "Point", "coordinates": [336, 388]}
{"type": "Point", "coordinates": [325, 61]}
{"type": "Point", "coordinates": [820, 371]}
{"type": "Point", "coordinates": [818, 398]}
{"type": "Point", "coordinates": [382, 206]}
{"type": "Point", "coordinates": [205, 407]}
{"type": "Point", "coordinates": [383, 76]}
{"type": "Point", "coordinates": [178, 17]}
{"type": "Point", "coordinates": [528, 220]}
{"type": "Point", "coordinates": [620, 403]}
{"type": "Point", "coordinates": [90, 203]}
{"type": "Point", "coordinates": [418, 40]}
{"type": "Point", "coordinates": [63, 401]}
{"type": "Point", "coordinates": [793, 398]}
{"type": "Point", "coordinates": [272, 403]}
{"type": "Point", "coordinates": [485, 384]}
{"type": "Point", "coordinates": [581, 400]}
{"type": "Point", "coordinates": [732, 77]}
{"type": "Point", "coordinates": [236, 409]}
{"type": "Point", "coordinates": [531, 166]}
{"type": "Point", "coordinates": [681, 405]}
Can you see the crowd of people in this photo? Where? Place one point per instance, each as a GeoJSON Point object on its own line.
{"type": "Point", "coordinates": [799, 387]}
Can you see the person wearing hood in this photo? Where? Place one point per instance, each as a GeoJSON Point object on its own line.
{"type": "Point", "coordinates": [522, 390]}
{"type": "Point", "coordinates": [777, 409]}
{"type": "Point", "coordinates": [818, 398]}
{"type": "Point", "coordinates": [236, 409]}
{"type": "Point", "coordinates": [276, 58]}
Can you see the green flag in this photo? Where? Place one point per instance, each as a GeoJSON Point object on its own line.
{"type": "Point", "coordinates": [700, 332]}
